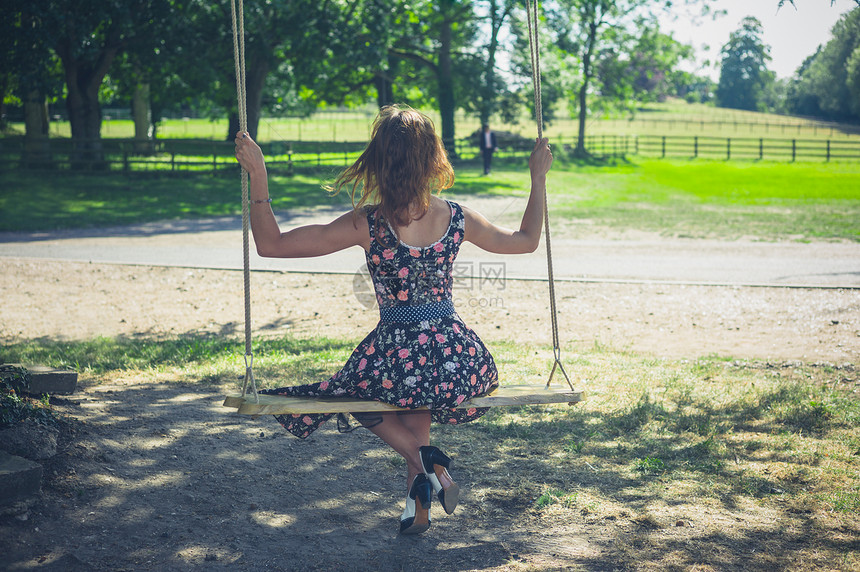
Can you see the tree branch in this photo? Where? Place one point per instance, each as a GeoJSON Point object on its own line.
{"type": "Point", "coordinates": [416, 58]}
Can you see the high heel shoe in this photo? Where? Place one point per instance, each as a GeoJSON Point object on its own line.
{"type": "Point", "coordinates": [416, 516]}
{"type": "Point", "coordinates": [436, 464]}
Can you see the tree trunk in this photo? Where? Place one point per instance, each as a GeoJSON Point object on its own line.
{"type": "Point", "coordinates": [384, 84]}
{"type": "Point", "coordinates": [255, 80]}
{"type": "Point", "coordinates": [37, 151]}
{"type": "Point", "coordinates": [580, 150]}
{"type": "Point", "coordinates": [4, 87]}
{"type": "Point", "coordinates": [384, 89]}
{"type": "Point", "coordinates": [488, 95]}
{"type": "Point", "coordinates": [445, 84]}
{"type": "Point", "coordinates": [142, 115]}
{"type": "Point", "coordinates": [83, 79]}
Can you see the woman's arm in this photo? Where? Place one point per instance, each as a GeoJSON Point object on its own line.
{"type": "Point", "coordinates": [304, 241]}
{"type": "Point", "coordinates": [500, 240]}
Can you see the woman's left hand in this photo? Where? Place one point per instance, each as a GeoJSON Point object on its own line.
{"type": "Point", "coordinates": [249, 154]}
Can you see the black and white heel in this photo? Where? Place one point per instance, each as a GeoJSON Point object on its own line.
{"type": "Point", "coordinates": [436, 463]}
{"type": "Point", "coordinates": [416, 516]}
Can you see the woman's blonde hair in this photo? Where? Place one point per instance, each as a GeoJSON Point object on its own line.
{"type": "Point", "coordinates": [402, 165]}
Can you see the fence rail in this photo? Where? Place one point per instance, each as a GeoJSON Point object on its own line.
{"type": "Point", "coordinates": [729, 148]}
{"type": "Point", "coordinates": [181, 155]}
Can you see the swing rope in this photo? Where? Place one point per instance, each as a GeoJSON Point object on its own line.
{"type": "Point", "coordinates": [239, 60]}
{"type": "Point", "coordinates": [534, 52]}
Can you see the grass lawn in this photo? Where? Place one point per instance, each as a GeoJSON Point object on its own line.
{"type": "Point", "coordinates": [700, 198]}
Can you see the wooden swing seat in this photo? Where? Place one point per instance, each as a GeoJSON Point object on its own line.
{"type": "Point", "coordinates": [503, 396]}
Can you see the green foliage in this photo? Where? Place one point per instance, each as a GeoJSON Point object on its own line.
{"type": "Point", "coordinates": [744, 77]}
{"type": "Point", "coordinates": [650, 466]}
{"type": "Point", "coordinates": [13, 407]}
{"type": "Point", "coordinates": [828, 82]}
{"type": "Point", "coordinates": [555, 496]}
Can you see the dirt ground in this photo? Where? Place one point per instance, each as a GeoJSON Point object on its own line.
{"type": "Point", "coordinates": [156, 475]}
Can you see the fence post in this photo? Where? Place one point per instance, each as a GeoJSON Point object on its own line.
{"type": "Point", "coordinates": [793, 150]}
{"type": "Point", "coordinates": [760, 148]}
{"type": "Point", "coordinates": [696, 147]}
{"type": "Point", "coordinates": [828, 150]}
{"type": "Point", "coordinates": [636, 144]}
{"type": "Point", "coordinates": [728, 148]}
{"type": "Point", "coordinates": [663, 147]}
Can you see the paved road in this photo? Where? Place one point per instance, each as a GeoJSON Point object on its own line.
{"type": "Point", "coordinates": [217, 243]}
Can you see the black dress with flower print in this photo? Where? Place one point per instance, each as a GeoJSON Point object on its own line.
{"type": "Point", "coordinates": [436, 363]}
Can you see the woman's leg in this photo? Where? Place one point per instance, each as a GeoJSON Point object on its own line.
{"type": "Point", "coordinates": [418, 422]}
{"type": "Point", "coordinates": [403, 440]}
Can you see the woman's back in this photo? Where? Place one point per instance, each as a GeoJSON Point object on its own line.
{"type": "Point", "coordinates": [417, 268]}
{"type": "Point", "coordinates": [429, 228]}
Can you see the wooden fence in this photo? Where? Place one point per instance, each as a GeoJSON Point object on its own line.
{"type": "Point", "coordinates": [112, 155]}
{"type": "Point", "coordinates": [749, 148]}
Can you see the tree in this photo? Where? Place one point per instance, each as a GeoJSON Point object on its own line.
{"type": "Point", "coordinates": [283, 37]}
{"type": "Point", "coordinates": [498, 13]}
{"type": "Point", "coordinates": [828, 82]}
{"type": "Point", "coordinates": [643, 69]}
{"type": "Point", "coordinates": [30, 73]}
{"type": "Point", "coordinates": [744, 77]}
{"type": "Point", "coordinates": [86, 36]}
{"type": "Point", "coordinates": [365, 57]}
{"type": "Point", "coordinates": [433, 41]}
{"type": "Point", "coordinates": [149, 57]}
{"type": "Point", "coordinates": [87, 39]}
{"type": "Point", "coordinates": [590, 29]}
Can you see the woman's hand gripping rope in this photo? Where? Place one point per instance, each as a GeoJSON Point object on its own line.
{"type": "Point", "coordinates": [249, 155]}
{"type": "Point", "coordinates": [541, 158]}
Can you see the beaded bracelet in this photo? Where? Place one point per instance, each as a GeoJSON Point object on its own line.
{"type": "Point", "coordinates": [261, 202]}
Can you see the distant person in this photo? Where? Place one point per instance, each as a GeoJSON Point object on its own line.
{"type": "Point", "coordinates": [487, 144]}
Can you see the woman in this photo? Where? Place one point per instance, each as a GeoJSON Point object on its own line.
{"type": "Point", "coordinates": [421, 354]}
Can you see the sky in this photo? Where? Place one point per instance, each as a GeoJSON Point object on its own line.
{"type": "Point", "coordinates": [792, 34]}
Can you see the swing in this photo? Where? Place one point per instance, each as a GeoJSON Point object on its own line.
{"type": "Point", "coordinates": [507, 395]}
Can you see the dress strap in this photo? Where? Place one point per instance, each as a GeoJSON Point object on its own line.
{"type": "Point", "coordinates": [370, 214]}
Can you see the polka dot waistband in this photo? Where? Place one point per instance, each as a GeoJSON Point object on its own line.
{"type": "Point", "coordinates": [419, 313]}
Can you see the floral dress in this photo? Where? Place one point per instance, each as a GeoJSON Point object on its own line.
{"type": "Point", "coordinates": [421, 354]}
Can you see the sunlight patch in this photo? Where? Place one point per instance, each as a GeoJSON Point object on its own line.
{"type": "Point", "coordinates": [273, 519]}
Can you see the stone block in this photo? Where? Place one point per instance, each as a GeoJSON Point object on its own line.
{"type": "Point", "coordinates": [51, 381]}
{"type": "Point", "coordinates": [19, 478]}
{"type": "Point", "coordinates": [30, 440]}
